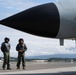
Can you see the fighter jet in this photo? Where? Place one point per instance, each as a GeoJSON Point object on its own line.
{"type": "Point", "coordinates": [51, 20]}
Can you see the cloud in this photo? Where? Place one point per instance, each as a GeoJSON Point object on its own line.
{"type": "Point", "coordinates": [10, 7]}
{"type": "Point", "coordinates": [17, 4]}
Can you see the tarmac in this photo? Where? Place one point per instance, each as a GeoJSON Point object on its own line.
{"type": "Point", "coordinates": [42, 68]}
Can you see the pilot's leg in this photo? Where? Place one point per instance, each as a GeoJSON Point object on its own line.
{"type": "Point", "coordinates": [23, 60]}
{"type": "Point", "coordinates": [19, 61]}
{"type": "Point", "coordinates": [5, 60]}
{"type": "Point", "coordinates": [8, 62]}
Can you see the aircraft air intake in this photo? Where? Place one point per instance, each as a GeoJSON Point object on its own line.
{"type": "Point", "coordinates": [42, 20]}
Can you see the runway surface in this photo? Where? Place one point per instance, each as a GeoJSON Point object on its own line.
{"type": "Point", "coordinates": [46, 68]}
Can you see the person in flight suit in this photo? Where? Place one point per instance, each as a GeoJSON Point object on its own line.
{"type": "Point", "coordinates": [5, 48]}
{"type": "Point", "coordinates": [21, 48]}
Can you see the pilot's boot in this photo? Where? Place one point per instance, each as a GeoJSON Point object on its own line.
{"type": "Point", "coordinates": [18, 67]}
{"type": "Point", "coordinates": [24, 68]}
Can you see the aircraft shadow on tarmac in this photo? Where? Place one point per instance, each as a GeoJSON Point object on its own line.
{"type": "Point", "coordinates": [62, 73]}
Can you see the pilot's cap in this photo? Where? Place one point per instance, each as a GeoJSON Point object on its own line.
{"type": "Point", "coordinates": [6, 39]}
{"type": "Point", "coordinates": [21, 39]}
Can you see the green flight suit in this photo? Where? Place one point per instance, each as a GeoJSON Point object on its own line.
{"type": "Point", "coordinates": [6, 59]}
{"type": "Point", "coordinates": [5, 48]}
{"type": "Point", "coordinates": [21, 55]}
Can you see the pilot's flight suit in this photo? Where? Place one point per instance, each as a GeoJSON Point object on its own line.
{"type": "Point", "coordinates": [21, 55]}
{"type": "Point", "coordinates": [5, 48]}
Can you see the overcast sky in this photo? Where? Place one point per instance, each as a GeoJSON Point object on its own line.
{"type": "Point", "coordinates": [36, 45]}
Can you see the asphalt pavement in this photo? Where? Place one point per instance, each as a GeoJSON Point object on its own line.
{"type": "Point", "coordinates": [41, 68]}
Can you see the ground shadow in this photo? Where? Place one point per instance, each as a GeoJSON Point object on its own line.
{"type": "Point", "coordinates": [62, 73]}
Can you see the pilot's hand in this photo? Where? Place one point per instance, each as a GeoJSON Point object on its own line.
{"type": "Point", "coordinates": [20, 50]}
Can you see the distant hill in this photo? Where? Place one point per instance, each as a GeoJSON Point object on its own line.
{"type": "Point", "coordinates": [53, 56]}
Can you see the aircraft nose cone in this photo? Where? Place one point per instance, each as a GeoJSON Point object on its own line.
{"type": "Point", "coordinates": [42, 20]}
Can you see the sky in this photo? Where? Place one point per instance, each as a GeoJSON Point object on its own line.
{"type": "Point", "coordinates": [36, 45]}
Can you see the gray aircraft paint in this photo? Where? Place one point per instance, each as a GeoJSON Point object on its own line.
{"type": "Point", "coordinates": [67, 11]}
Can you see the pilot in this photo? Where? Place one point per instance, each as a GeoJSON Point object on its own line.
{"type": "Point", "coordinates": [21, 48]}
{"type": "Point", "coordinates": [5, 48]}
